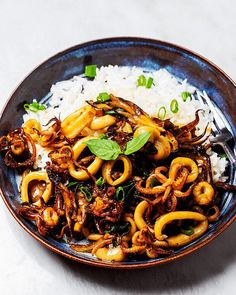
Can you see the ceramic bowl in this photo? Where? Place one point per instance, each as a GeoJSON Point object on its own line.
{"type": "Point", "coordinates": [125, 51]}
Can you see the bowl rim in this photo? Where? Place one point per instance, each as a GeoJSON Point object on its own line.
{"type": "Point", "coordinates": [99, 263]}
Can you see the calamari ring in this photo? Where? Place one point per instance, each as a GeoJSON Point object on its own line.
{"type": "Point", "coordinates": [182, 239]}
{"type": "Point", "coordinates": [132, 231]}
{"type": "Point", "coordinates": [139, 213]}
{"type": "Point", "coordinates": [203, 193]}
{"type": "Point", "coordinates": [107, 170]}
{"type": "Point", "coordinates": [73, 124]}
{"type": "Point", "coordinates": [92, 169]}
{"type": "Point", "coordinates": [32, 127]}
{"type": "Point", "coordinates": [185, 162]}
{"type": "Point", "coordinates": [40, 176]}
{"type": "Point", "coordinates": [110, 254]}
{"type": "Point", "coordinates": [163, 220]}
{"type": "Point", "coordinates": [102, 122]}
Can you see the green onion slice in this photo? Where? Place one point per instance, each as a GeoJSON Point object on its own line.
{"type": "Point", "coordinates": [100, 181]}
{"type": "Point", "coordinates": [86, 193]}
{"type": "Point", "coordinates": [72, 183]}
{"type": "Point", "coordinates": [120, 194]}
{"type": "Point", "coordinates": [149, 82]}
{"type": "Point", "coordinates": [103, 96]}
{"type": "Point", "coordinates": [34, 107]}
{"type": "Point", "coordinates": [161, 113]}
{"type": "Point", "coordinates": [174, 106]}
{"type": "Point", "coordinates": [90, 71]}
{"type": "Point", "coordinates": [185, 95]}
{"type": "Point", "coordinates": [188, 230]}
{"type": "Point", "coordinates": [141, 80]}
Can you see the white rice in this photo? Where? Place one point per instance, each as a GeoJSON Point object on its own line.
{"type": "Point", "coordinates": [67, 96]}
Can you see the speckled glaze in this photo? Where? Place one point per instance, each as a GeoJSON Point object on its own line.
{"type": "Point", "coordinates": [145, 53]}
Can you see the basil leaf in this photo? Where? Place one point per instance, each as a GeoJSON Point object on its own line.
{"type": "Point", "coordinates": [105, 149]}
{"type": "Point", "coordinates": [137, 143]}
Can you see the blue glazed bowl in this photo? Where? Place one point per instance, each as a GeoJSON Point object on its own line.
{"type": "Point", "coordinates": [125, 51]}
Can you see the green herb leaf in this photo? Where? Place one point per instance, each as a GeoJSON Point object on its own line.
{"type": "Point", "coordinates": [161, 113]}
{"type": "Point", "coordinates": [149, 82]}
{"type": "Point", "coordinates": [34, 107]}
{"type": "Point", "coordinates": [86, 193]}
{"type": "Point", "coordinates": [174, 106]}
{"type": "Point", "coordinates": [141, 80]}
{"type": "Point", "coordinates": [103, 96]}
{"type": "Point", "coordinates": [185, 95]}
{"type": "Point", "coordinates": [72, 183]}
{"type": "Point", "coordinates": [105, 149]}
{"type": "Point", "coordinates": [188, 230]}
{"type": "Point", "coordinates": [137, 143]}
{"type": "Point", "coordinates": [100, 181]}
{"type": "Point", "coordinates": [120, 194]}
{"type": "Point", "coordinates": [90, 71]}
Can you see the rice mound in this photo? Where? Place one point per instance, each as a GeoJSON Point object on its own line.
{"type": "Point", "coordinates": [69, 95]}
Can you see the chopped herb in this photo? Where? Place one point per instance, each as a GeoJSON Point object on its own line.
{"type": "Point", "coordinates": [185, 95]}
{"type": "Point", "coordinates": [90, 71]}
{"type": "Point", "coordinates": [141, 80]}
{"type": "Point", "coordinates": [103, 96]}
{"type": "Point", "coordinates": [72, 183]}
{"type": "Point", "coordinates": [149, 82]}
{"type": "Point", "coordinates": [188, 230]}
{"type": "Point", "coordinates": [100, 181]}
{"type": "Point", "coordinates": [86, 193]}
{"type": "Point", "coordinates": [34, 107]}
{"type": "Point", "coordinates": [161, 113]}
{"type": "Point", "coordinates": [111, 112]}
{"type": "Point", "coordinates": [174, 106]}
{"type": "Point", "coordinates": [120, 194]}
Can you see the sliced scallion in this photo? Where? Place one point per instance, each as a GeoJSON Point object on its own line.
{"type": "Point", "coordinates": [103, 96]}
{"type": "Point", "coordinates": [90, 71]}
{"type": "Point", "coordinates": [34, 107]}
{"type": "Point", "coordinates": [161, 113]}
{"type": "Point", "coordinates": [187, 230]}
{"type": "Point", "coordinates": [86, 193]}
{"type": "Point", "coordinates": [174, 106]}
{"type": "Point", "coordinates": [141, 80]}
{"type": "Point", "coordinates": [120, 194]}
{"type": "Point", "coordinates": [149, 82]}
{"type": "Point", "coordinates": [100, 181]}
{"type": "Point", "coordinates": [185, 95]}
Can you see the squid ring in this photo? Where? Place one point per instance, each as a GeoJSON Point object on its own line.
{"type": "Point", "coordinates": [110, 254]}
{"type": "Point", "coordinates": [107, 170]}
{"type": "Point", "coordinates": [132, 231]}
{"type": "Point", "coordinates": [203, 193]}
{"type": "Point", "coordinates": [41, 176]}
{"type": "Point", "coordinates": [139, 213]}
{"type": "Point", "coordinates": [162, 221]}
{"type": "Point", "coordinates": [186, 162]}
{"type": "Point", "coordinates": [92, 169]}
{"type": "Point", "coordinates": [73, 124]}
{"type": "Point", "coordinates": [182, 239]}
{"type": "Point", "coordinates": [102, 122]}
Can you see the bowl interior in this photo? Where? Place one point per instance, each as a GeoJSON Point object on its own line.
{"type": "Point", "coordinates": [150, 55]}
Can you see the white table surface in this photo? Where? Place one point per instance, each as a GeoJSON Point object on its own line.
{"type": "Point", "coordinates": [30, 32]}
